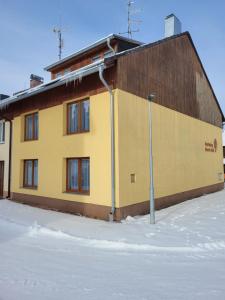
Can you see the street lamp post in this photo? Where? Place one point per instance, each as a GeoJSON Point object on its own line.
{"type": "Point", "coordinates": [151, 187]}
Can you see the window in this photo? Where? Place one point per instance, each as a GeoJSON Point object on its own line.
{"type": "Point", "coordinates": [78, 175]}
{"type": "Point", "coordinates": [2, 131]}
{"type": "Point", "coordinates": [30, 176]}
{"type": "Point", "coordinates": [78, 117]}
{"type": "Point", "coordinates": [66, 71]}
{"type": "Point", "coordinates": [57, 75]}
{"type": "Point", "coordinates": [31, 127]}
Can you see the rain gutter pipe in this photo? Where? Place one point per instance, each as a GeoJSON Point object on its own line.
{"type": "Point", "coordinates": [110, 47]}
{"type": "Point", "coordinates": [112, 213]}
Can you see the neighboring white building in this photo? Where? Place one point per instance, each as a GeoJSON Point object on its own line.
{"type": "Point", "coordinates": [224, 153]}
{"type": "Point", "coordinates": [4, 153]}
{"type": "Point", "coordinates": [4, 158]}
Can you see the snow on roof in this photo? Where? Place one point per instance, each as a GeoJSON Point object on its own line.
{"type": "Point", "coordinates": [72, 76]}
{"type": "Point", "coordinates": [93, 45]}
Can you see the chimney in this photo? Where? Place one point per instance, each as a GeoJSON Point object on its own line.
{"type": "Point", "coordinates": [35, 80]}
{"type": "Point", "coordinates": [172, 25]}
{"type": "Point", "coordinates": [2, 97]}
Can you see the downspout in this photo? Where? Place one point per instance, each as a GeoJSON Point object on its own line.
{"type": "Point", "coordinates": [10, 159]}
{"type": "Point", "coordinates": [110, 47]}
{"type": "Point", "coordinates": [10, 155]}
{"type": "Point", "coordinates": [112, 213]}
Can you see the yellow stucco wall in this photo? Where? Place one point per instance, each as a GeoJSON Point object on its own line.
{"type": "Point", "coordinates": [4, 155]}
{"type": "Point", "coordinates": [54, 146]}
{"type": "Point", "coordinates": [180, 160]}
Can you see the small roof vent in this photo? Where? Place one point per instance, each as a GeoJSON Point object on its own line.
{"type": "Point", "coordinates": [172, 26]}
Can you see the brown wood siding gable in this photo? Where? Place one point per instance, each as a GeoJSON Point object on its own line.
{"type": "Point", "coordinates": [171, 69]}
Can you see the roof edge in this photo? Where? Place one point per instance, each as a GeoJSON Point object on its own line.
{"type": "Point", "coordinates": [89, 47]}
{"type": "Point", "coordinates": [201, 64]}
{"type": "Point", "coordinates": [77, 74]}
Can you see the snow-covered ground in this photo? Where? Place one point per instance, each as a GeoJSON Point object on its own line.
{"type": "Point", "coordinates": [50, 255]}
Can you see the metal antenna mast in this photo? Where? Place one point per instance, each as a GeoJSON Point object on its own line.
{"type": "Point", "coordinates": [130, 20]}
{"type": "Point", "coordinates": [58, 31]}
{"type": "Point", "coordinates": [129, 31]}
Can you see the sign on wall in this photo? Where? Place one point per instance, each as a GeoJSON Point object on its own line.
{"type": "Point", "coordinates": [211, 147]}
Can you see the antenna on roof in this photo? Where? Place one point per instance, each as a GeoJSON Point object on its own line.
{"type": "Point", "coordinates": [58, 31]}
{"type": "Point", "coordinates": [130, 21]}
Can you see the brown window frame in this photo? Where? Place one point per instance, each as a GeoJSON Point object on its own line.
{"type": "Point", "coordinates": [24, 172]}
{"type": "Point", "coordinates": [33, 126]}
{"type": "Point", "coordinates": [79, 130]}
{"type": "Point", "coordinates": [79, 190]}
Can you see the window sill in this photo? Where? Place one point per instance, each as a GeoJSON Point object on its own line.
{"type": "Point", "coordinates": [79, 132]}
{"type": "Point", "coordinates": [77, 193]}
{"type": "Point", "coordinates": [29, 188]}
{"type": "Point", "coordinates": [33, 140]}
{"type": "Point", "coordinates": [2, 143]}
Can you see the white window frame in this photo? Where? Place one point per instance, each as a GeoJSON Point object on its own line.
{"type": "Point", "coordinates": [2, 132]}
{"type": "Point", "coordinates": [59, 74]}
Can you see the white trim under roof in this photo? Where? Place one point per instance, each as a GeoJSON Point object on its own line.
{"type": "Point", "coordinates": [95, 44]}
{"type": "Point", "coordinates": [72, 76]}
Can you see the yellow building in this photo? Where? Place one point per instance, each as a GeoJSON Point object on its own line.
{"type": "Point", "coordinates": [81, 142]}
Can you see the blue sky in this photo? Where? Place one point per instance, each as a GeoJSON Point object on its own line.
{"type": "Point", "coordinates": [28, 43]}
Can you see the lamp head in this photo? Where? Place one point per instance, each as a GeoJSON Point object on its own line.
{"type": "Point", "coordinates": [151, 97]}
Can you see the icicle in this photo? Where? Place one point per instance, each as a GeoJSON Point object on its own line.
{"type": "Point", "coordinates": [80, 78]}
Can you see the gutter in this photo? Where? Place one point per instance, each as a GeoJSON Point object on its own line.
{"type": "Point", "coordinates": [112, 213]}
{"type": "Point", "coordinates": [110, 47]}
{"type": "Point", "coordinates": [72, 76]}
{"type": "Point", "coordinates": [10, 158]}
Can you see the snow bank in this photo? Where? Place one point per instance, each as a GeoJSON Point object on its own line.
{"type": "Point", "coordinates": [50, 255]}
